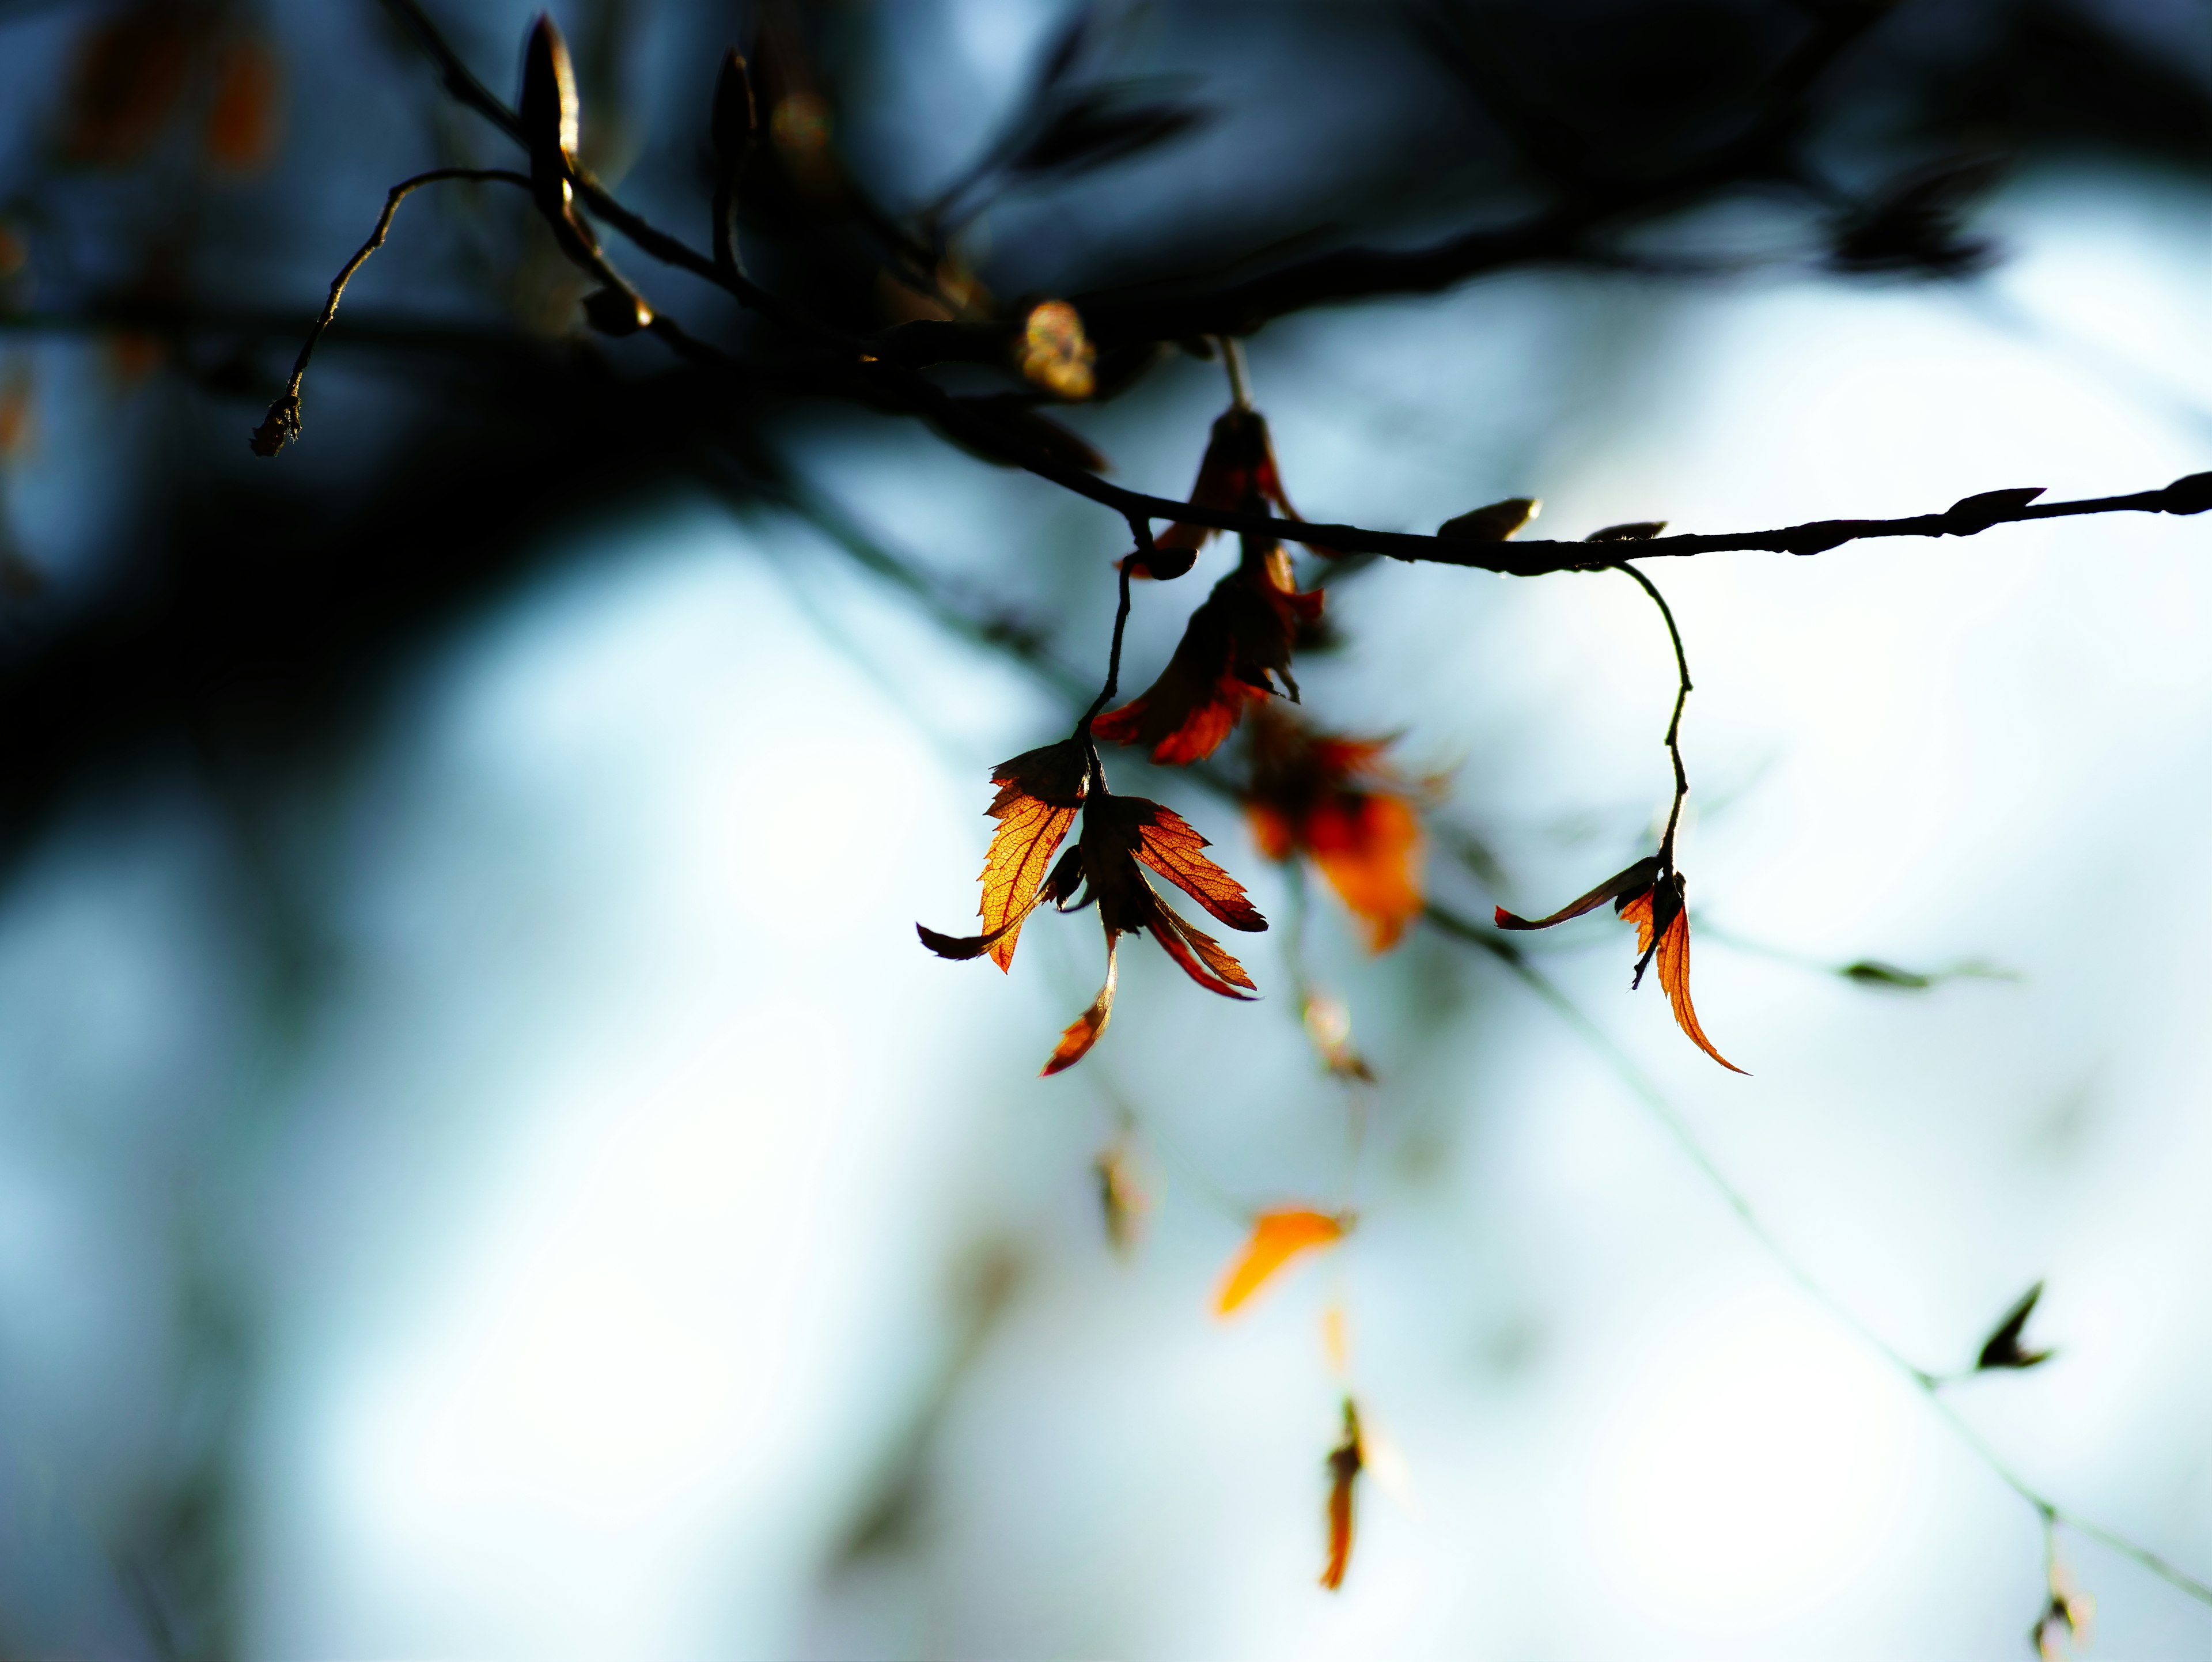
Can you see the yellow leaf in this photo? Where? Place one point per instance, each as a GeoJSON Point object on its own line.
{"type": "Point", "coordinates": [1276, 1239]}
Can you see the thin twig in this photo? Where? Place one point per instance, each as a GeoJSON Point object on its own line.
{"type": "Point", "coordinates": [281, 424]}
{"type": "Point", "coordinates": [1674, 725]}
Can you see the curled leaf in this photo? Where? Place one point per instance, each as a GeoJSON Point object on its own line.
{"type": "Point", "coordinates": [1233, 650]}
{"type": "Point", "coordinates": [1276, 1239]}
{"type": "Point", "coordinates": [1627, 881]}
{"type": "Point", "coordinates": [1083, 1032]}
{"type": "Point", "coordinates": [1346, 1461]}
{"type": "Point", "coordinates": [2002, 1349]}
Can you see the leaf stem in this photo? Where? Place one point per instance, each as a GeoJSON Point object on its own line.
{"type": "Point", "coordinates": [1675, 723]}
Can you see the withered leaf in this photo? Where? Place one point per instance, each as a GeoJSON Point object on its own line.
{"type": "Point", "coordinates": [2002, 1349]}
{"type": "Point", "coordinates": [241, 125]}
{"type": "Point", "coordinates": [1165, 841]}
{"type": "Point", "coordinates": [1039, 792]}
{"type": "Point", "coordinates": [1661, 914]}
{"type": "Point", "coordinates": [1237, 643]}
{"type": "Point", "coordinates": [1277, 1237]}
{"type": "Point", "coordinates": [1627, 881]}
{"type": "Point", "coordinates": [1326, 796]}
{"type": "Point", "coordinates": [1083, 1032]}
{"type": "Point", "coordinates": [1346, 1461]}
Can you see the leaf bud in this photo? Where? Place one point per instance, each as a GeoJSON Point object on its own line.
{"type": "Point", "coordinates": [736, 119]}
{"type": "Point", "coordinates": [1494, 523]}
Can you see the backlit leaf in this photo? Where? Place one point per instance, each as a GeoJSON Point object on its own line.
{"type": "Point", "coordinates": [1166, 841]}
{"type": "Point", "coordinates": [1673, 963]}
{"type": "Point", "coordinates": [1276, 1239]}
{"type": "Point", "coordinates": [1201, 955]}
{"type": "Point", "coordinates": [1083, 1032]}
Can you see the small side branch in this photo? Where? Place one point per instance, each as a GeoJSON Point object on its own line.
{"type": "Point", "coordinates": [281, 424]}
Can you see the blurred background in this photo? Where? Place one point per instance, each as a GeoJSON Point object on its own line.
{"type": "Point", "coordinates": [485, 1168]}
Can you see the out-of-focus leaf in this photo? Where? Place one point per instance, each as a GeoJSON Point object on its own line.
{"type": "Point", "coordinates": [1276, 1239]}
{"type": "Point", "coordinates": [2002, 1350]}
{"type": "Point", "coordinates": [242, 121]}
{"type": "Point", "coordinates": [1874, 973]}
{"type": "Point", "coordinates": [131, 68]}
{"type": "Point", "coordinates": [1122, 1202]}
{"type": "Point", "coordinates": [1345, 1462]}
{"type": "Point", "coordinates": [1054, 352]}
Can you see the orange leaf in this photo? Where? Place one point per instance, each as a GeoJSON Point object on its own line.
{"type": "Point", "coordinates": [1674, 962]}
{"type": "Point", "coordinates": [1220, 972]}
{"type": "Point", "coordinates": [1276, 1239]}
{"type": "Point", "coordinates": [1368, 845]}
{"type": "Point", "coordinates": [1030, 830]}
{"type": "Point", "coordinates": [1345, 1462]}
{"type": "Point", "coordinates": [1083, 1032]}
{"type": "Point", "coordinates": [1166, 842]}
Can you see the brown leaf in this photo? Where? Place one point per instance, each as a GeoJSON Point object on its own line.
{"type": "Point", "coordinates": [1237, 643]}
{"type": "Point", "coordinates": [1346, 1462]}
{"type": "Point", "coordinates": [1213, 968]}
{"type": "Point", "coordinates": [1674, 959]}
{"type": "Point", "coordinates": [1277, 1237]}
{"type": "Point", "coordinates": [1626, 881]}
{"type": "Point", "coordinates": [1165, 841]}
{"type": "Point", "coordinates": [242, 122]}
{"type": "Point", "coordinates": [1083, 1032]}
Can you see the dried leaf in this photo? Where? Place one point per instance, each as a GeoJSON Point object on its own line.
{"type": "Point", "coordinates": [1276, 1239]}
{"type": "Point", "coordinates": [2002, 1349]}
{"type": "Point", "coordinates": [1165, 841]}
{"type": "Point", "coordinates": [1237, 643]}
{"type": "Point", "coordinates": [1345, 1462]}
{"type": "Point", "coordinates": [1083, 1032]}
{"type": "Point", "coordinates": [1627, 881]}
{"type": "Point", "coordinates": [1494, 523]}
{"type": "Point", "coordinates": [1324, 795]}
{"type": "Point", "coordinates": [1054, 352]}
{"type": "Point", "coordinates": [1201, 956]}
{"type": "Point", "coordinates": [1674, 959]}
